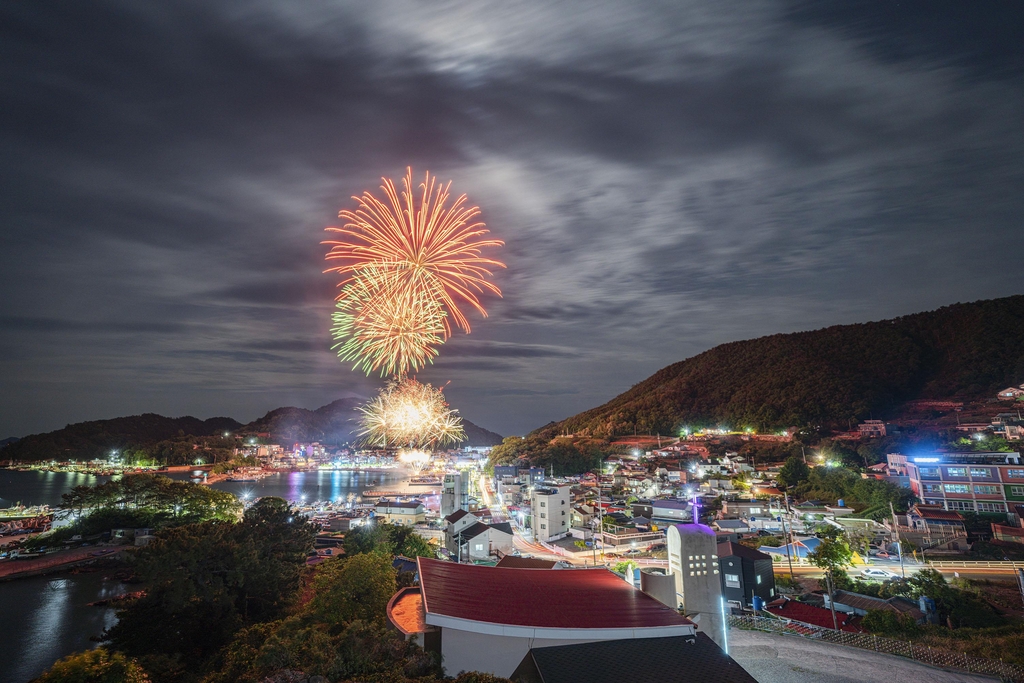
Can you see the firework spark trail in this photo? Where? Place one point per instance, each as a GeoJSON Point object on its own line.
{"type": "Point", "coordinates": [408, 413]}
{"type": "Point", "coordinates": [425, 241]}
{"type": "Point", "coordinates": [384, 323]}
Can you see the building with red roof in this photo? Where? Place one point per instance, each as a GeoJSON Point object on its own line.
{"type": "Point", "coordinates": [488, 618]}
{"type": "Point", "coordinates": [802, 613]}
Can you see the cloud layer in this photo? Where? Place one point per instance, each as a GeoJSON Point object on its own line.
{"type": "Point", "coordinates": [667, 176]}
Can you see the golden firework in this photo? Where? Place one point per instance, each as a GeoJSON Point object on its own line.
{"type": "Point", "coordinates": [437, 247]}
{"type": "Point", "coordinates": [411, 414]}
{"type": "Point", "coordinates": [385, 323]}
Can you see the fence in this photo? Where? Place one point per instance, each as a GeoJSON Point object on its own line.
{"type": "Point", "coordinates": [865, 641]}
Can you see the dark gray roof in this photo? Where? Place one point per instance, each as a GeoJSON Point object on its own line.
{"type": "Point", "coordinates": [730, 549]}
{"type": "Point", "coordinates": [411, 504]}
{"type": "Point", "coordinates": [473, 530]}
{"type": "Point", "coordinates": [503, 526]}
{"type": "Point", "coordinates": [637, 660]}
{"type": "Point", "coordinates": [456, 516]}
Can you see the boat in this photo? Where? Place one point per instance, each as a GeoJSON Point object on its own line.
{"type": "Point", "coordinates": [242, 479]}
{"type": "Point", "coordinates": [425, 481]}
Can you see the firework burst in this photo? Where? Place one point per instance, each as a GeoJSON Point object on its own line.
{"type": "Point", "coordinates": [410, 414]}
{"type": "Point", "coordinates": [384, 323]}
{"type": "Point", "coordinates": [419, 237]}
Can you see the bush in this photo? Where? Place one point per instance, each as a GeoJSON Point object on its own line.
{"type": "Point", "coordinates": [94, 666]}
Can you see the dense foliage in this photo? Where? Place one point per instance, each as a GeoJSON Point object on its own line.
{"type": "Point", "coordinates": [872, 496]}
{"type": "Point", "coordinates": [205, 581]}
{"type": "Point", "coordinates": [564, 456]}
{"type": "Point", "coordinates": [388, 539]}
{"type": "Point", "coordinates": [96, 439]}
{"type": "Point", "coordinates": [826, 377]}
{"type": "Point", "coordinates": [140, 501]}
{"type": "Point", "coordinates": [94, 666]}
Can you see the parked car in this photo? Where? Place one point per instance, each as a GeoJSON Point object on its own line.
{"type": "Point", "coordinates": [878, 574]}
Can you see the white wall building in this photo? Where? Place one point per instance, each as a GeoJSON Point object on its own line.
{"type": "Point", "coordinates": [693, 561]}
{"type": "Point", "coordinates": [551, 511]}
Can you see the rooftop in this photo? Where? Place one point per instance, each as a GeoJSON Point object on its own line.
{"type": "Point", "coordinates": [411, 504]}
{"type": "Point", "coordinates": [405, 610]}
{"type": "Point", "coordinates": [729, 549]}
{"type": "Point", "coordinates": [815, 616]}
{"type": "Point", "coordinates": [513, 562]}
{"type": "Point", "coordinates": [642, 660]}
{"type": "Point", "coordinates": [455, 516]}
{"type": "Point", "coordinates": [541, 598]}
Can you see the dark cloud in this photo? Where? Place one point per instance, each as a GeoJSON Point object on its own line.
{"type": "Point", "coordinates": [666, 177]}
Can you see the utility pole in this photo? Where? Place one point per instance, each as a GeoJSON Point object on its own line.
{"type": "Point", "coordinates": [804, 454]}
{"type": "Point", "coordinates": [899, 546]}
{"type": "Point", "coordinates": [831, 598]}
{"type": "Point", "coordinates": [789, 546]}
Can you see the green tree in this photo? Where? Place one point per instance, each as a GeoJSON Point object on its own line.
{"type": "Point", "coordinates": [832, 555]}
{"type": "Point", "coordinates": [205, 581]}
{"type": "Point", "coordinates": [351, 589]}
{"type": "Point", "coordinates": [94, 666]}
{"type": "Point", "coordinates": [793, 472]}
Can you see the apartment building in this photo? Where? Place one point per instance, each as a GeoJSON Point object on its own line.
{"type": "Point", "coordinates": [977, 482]}
{"type": "Point", "coordinates": [551, 509]}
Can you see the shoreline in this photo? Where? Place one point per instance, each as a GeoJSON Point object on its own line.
{"type": "Point", "coordinates": [11, 570]}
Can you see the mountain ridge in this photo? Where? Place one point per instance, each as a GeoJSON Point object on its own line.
{"type": "Point", "coordinates": [823, 378]}
{"type": "Point", "coordinates": [331, 424]}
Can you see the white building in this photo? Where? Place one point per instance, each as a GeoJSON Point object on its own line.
{"type": "Point", "coordinates": [551, 511]}
{"type": "Point", "coordinates": [455, 493]}
{"type": "Point", "coordinates": [408, 512]}
{"type": "Point", "coordinates": [693, 561]}
{"type": "Point", "coordinates": [487, 618]}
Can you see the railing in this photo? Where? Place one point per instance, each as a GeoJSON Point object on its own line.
{"type": "Point", "coordinates": [967, 564]}
{"type": "Point", "coordinates": [945, 659]}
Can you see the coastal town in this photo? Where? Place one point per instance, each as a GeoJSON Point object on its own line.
{"type": "Point", "coordinates": [697, 524]}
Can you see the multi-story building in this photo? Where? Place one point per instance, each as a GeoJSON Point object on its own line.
{"type": "Point", "coordinates": [551, 508]}
{"type": "Point", "coordinates": [979, 482]}
{"type": "Point", "coordinates": [408, 512]}
{"type": "Point", "coordinates": [455, 492]}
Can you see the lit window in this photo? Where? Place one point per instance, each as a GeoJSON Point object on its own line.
{"type": "Point", "coordinates": [759, 579]}
{"type": "Point", "coordinates": [981, 472]}
{"type": "Point", "coordinates": [957, 488]}
{"type": "Point", "coordinates": [732, 580]}
{"type": "Point", "coordinates": [1015, 474]}
{"type": "Point", "coordinates": [986, 490]}
{"type": "Point", "coordinates": [956, 471]}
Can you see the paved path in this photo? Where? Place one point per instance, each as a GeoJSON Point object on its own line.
{"type": "Point", "coordinates": [786, 659]}
{"type": "Point", "coordinates": [13, 568]}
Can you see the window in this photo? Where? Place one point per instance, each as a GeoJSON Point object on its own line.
{"type": "Point", "coordinates": [759, 579]}
{"type": "Point", "coordinates": [981, 472]}
{"type": "Point", "coordinates": [956, 471]}
{"type": "Point", "coordinates": [732, 580]}
{"type": "Point", "coordinates": [563, 513]}
{"type": "Point", "coordinates": [543, 515]}
{"type": "Point", "coordinates": [1015, 474]}
{"type": "Point", "coordinates": [986, 490]}
{"type": "Point", "coordinates": [1017, 490]}
{"type": "Point", "coordinates": [957, 488]}
{"type": "Point", "coordinates": [543, 504]}
{"type": "Point", "coordinates": [932, 488]}
{"type": "Point", "coordinates": [929, 472]}
{"type": "Point", "coordinates": [991, 507]}
{"type": "Point", "coordinates": [959, 505]}
{"type": "Point", "coordinates": [543, 526]}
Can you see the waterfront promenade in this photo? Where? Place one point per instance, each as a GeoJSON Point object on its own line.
{"type": "Point", "coordinates": [62, 559]}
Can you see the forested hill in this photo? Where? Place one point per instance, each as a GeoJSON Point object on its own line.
{"type": "Point", "coordinates": [825, 377]}
{"type": "Point", "coordinates": [95, 439]}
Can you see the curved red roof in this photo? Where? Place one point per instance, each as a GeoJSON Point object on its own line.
{"type": "Point", "coordinates": [539, 598]}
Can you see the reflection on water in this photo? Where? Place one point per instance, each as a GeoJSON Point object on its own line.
{"type": "Point", "coordinates": [41, 488]}
{"type": "Point", "coordinates": [45, 618]}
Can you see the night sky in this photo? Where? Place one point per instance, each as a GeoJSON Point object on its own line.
{"type": "Point", "coordinates": [667, 176]}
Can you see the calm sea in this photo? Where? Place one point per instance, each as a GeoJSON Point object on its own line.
{"type": "Point", "coordinates": [46, 618]}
